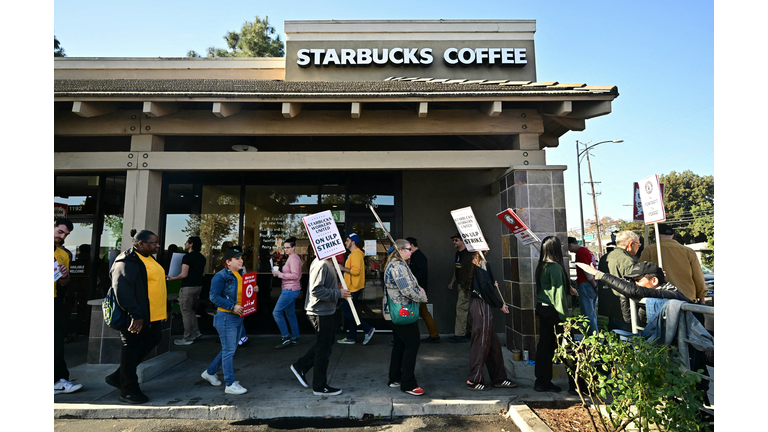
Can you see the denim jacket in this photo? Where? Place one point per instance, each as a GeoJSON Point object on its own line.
{"type": "Point", "coordinates": [224, 289]}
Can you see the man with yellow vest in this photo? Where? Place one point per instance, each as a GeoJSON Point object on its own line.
{"type": "Point", "coordinates": [354, 278]}
{"type": "Point", "coordinates": [61, 384]}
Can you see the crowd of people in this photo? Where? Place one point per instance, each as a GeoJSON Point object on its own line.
{"type": "Point", "coordinates": [139, 284]}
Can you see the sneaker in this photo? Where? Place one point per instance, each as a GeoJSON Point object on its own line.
{"type": "Point", "coordinates": [64, 386]}
{"type": "Point", "coordinates": [197, 335]}
{"type": "Point", "coordinates": [395, 384]}
{"type": "Point", "coordinates": [300, 376]}
{"type": "Point", "coordinates": [235, 388]}
{"type": "Point", "coordinates": [327, 391]}
{"type": "Point", "coordinates": [286, 341]}
{"type": "Point", "coordinates": [183, 341]}
{"type": "Point", "coordinates": [113, 379]}
{"type": "Point", "coordinates": [346, 341]}
{"type": "Point", "coordinates": [294, 341]}
{"type": "Point", "coordinates": [431, 340]}
{"type": "Point", "coordinates": [213, 379]}
{"type": "Point", "coordinates": [135, 397]}
{"type": "Point", "coordinates": [242, 340]}
{"type": "Point", "coordinates": [418, 391]}
{"type": "Point", "coordinates": [368, 336]}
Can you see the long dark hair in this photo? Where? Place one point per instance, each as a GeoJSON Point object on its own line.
{"type": "Point", "coordinates": [551, 251]}
{"type": "Point", "coordinates": [467, 270]}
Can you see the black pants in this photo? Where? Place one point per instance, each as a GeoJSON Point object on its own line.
{"type": "Point", "coordinates": [319, 354]}
{"type": "Point", "coordinates": [402, 363]}
{"type": "Point", "coordinates": [60, 370]}
{"type": "Point", "coordinates": [550, 326]}
{"type": "Point", "coordinates": [486, 347]}
{"type": "Point", "coordinates": [136, 346]}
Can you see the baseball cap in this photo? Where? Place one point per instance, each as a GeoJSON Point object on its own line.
{"type": "Point", "coordinates": [642, 268]}
{"type": "Point", "coordinates": [666, 229]}
{"type": "Point", "coordinates": [233, 252]}
{"type": "Point", "coordinates": [354, 237]}
{"type": "Point", "coordinates": [456, 236]}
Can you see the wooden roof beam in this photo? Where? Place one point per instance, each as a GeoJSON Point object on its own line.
{"type": "Point", "coordinates": [94, 109]}
{"type": "Point", "coordinates": [493, 108]}
{"type": "Point", "coordinates": [357, 109]}
{"type": "Point", "coordinates": [291, 109]}
{"type": "Point", "coordinates": [226, 109]}
{"type": "Point", "coordinates": [159, 109]}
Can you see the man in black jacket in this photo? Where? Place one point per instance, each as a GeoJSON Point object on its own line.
{"type": "Point", "coordinates": [418, 265]}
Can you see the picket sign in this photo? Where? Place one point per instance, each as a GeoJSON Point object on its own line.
{"type": "Point", "coordinates": [518, 228]}
{"type": "Point", "coordinates": [652, 199]}
{"type": "Point", "coordinates": [471, 234]}
{"type": "Point", "coordinates": [327, 243]}
{"type": "Point", "coordinates": [249, 294]}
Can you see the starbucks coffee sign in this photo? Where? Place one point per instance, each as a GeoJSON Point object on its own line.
{"type": "Point", "coordinates": [373, 50]}
{"type": "Point", "coordinates": [398, 56]}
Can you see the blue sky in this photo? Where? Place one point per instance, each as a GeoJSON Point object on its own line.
{"type": "Point", "coordinates": [658, 53]}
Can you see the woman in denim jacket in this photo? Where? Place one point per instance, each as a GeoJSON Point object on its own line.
{"type": "Point", "coordinates": [226, 294]}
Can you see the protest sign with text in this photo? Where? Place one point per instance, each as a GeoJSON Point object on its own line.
{"type": "Point", "coordinates": [652, 200]}
{"type": "Point", "coordinates": [469, 229]}
{"type": "Point", "coordinates": [517, 227]}
{"type": "Point", "coordinates": [249, 293]}
{"type": "Point", "coordinates": [324, 235]}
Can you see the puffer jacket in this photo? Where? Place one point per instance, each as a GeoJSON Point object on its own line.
{"type": "Point", "coordinates": [637, 292]}
{"type": "Point", "coordinates": [129, 281]}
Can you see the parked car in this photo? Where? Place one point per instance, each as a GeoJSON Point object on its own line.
{"type": "Point", "coordinates": [709, 281]}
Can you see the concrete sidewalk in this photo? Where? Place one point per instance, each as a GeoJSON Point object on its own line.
{"type": "Point", "coordinates": [273, 391]}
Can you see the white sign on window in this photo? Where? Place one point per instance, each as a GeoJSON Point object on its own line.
{"type": "Point", "coordinates": [370, 247]}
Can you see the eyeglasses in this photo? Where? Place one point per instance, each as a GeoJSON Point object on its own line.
{"type": "Point", "coordinates": [406, 249]}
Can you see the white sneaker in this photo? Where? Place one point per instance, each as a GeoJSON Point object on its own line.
{"type": "Point", "coordinates": [213, 379]}
{"type": "Point", "coordinates": [64, 386]}
{"type": "Point", "coordinates": [183, 341]}
{"type": "Point", "coordinates": [235, 388]}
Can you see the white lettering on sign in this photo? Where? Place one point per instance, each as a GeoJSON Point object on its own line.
{"type": "Point", "coordinates": [398, 56]}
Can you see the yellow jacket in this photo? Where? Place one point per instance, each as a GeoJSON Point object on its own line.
{"type": "Point", "coordinates": [681, 266]}
{"type": "Point", "coordinates": [355, 279]}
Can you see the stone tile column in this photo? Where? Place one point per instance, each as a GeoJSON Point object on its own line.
{"type": "Point", "coordinates": [537, 195]}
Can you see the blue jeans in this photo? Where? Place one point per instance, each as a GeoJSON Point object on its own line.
{"type": "Point", "coordinates": [351, 324]}
{"type": "Point", "coordinates": [286, 303]}
{"type": "Point", "coordinates": [588, 304]}
{"type": "Point", "coordinates": [228, 325]}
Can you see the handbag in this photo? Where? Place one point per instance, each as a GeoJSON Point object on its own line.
{"type": "Point", "coordinates": [402, 314]}
{"type": "Point", "coordinates": [114, 316]}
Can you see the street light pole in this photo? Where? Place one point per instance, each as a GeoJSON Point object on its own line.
{"type": "Point", "coordinates": [579, 155]}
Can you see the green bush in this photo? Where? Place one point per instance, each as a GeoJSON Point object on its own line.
{"type": "Point", "coordinates": [633, 382]}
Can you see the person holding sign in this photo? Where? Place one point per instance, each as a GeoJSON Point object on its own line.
{"type": "Point", "coordinates": [486, 348]}
{"type": "Point", "coordinates": [61, 384]}
{"type": "Point", "coordinates": [322, 295]}
{"type": "Point", "coordinates": [354, 277]}
{"type": "Point", "coordinates": [554, 290]}
{"type": "Point", "coordinates": [403, 289]}
{"type": "Point", "coordinates": [227, 294]}
{"type": "Point", "coordinates": [139, 285]}
{"type": "Point", "coordinates": [286, 304]}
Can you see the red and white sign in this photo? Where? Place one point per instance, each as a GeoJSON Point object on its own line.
{"type": "Point", "coordinates": [469, 229]}
{"type": "Point", "coordinates": [637, 210]}
{"type": "Point", "coordinates": [518, 228]}
{"type": "Point", "coordinates": [652, 200]}
{"type": "Point", "coordinates": [249, 293]}
{"type": "Point", "coordinates": [59, 210]}
{"type": "Point", "coordinates": [324, 235]}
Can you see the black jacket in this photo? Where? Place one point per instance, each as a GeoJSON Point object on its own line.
{"type": "Point", "coordinates": [129, 281]}
{"type": "Point", "coordinates": [419, 269]}
{"type": "Point", "coordinates": [483, 287]}
{"type": "Point", "coordinates": [637, 292]}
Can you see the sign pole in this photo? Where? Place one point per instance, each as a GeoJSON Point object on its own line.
{"type": "Point", "coordinates": [344, 284]}
{"type": "Point", "coordinates": [658, 243]}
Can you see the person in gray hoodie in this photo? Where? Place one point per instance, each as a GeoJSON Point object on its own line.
{"type": "Point", "coordinates": [320, 304]}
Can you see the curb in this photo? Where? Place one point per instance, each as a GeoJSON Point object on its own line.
{"type": "Point", "coordinates": [526, 419]}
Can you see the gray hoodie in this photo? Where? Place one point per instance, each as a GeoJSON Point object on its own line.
{"type": "Point", "coordinates": [323, 292]}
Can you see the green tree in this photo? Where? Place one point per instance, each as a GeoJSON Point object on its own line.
{"type": "Point", "coordinates": [683, 193]}
{"type": "Point", "coordinates": [256, 38]}
{"type": "Point", "coordinates": [58, 50]}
